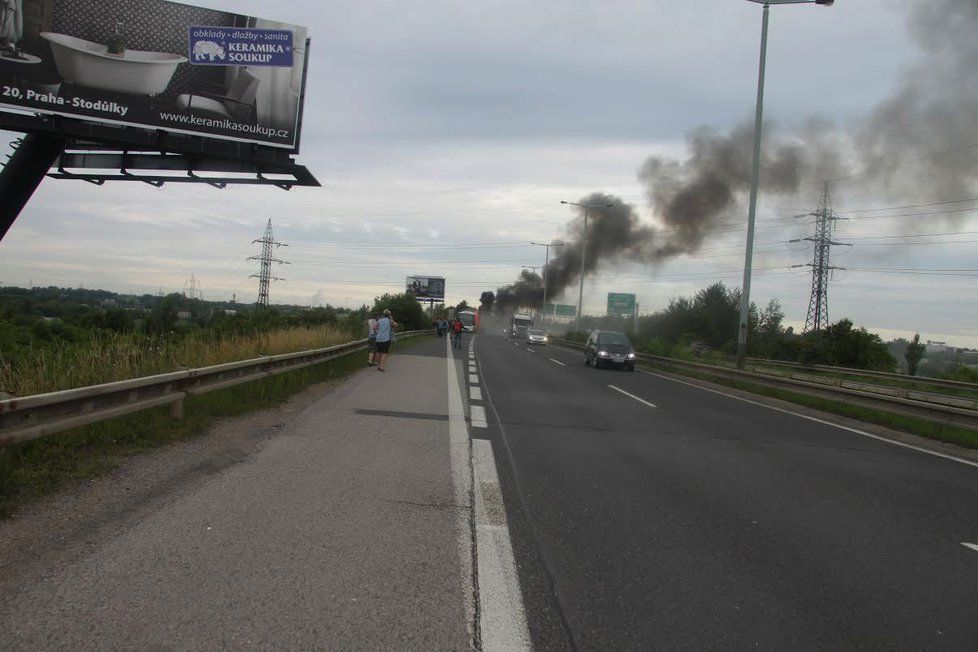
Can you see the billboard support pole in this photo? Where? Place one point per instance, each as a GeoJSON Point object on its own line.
{"type": "Point", "coordinates": [22, 174]}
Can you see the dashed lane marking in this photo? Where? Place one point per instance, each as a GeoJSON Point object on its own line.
{"type": "Point", "coordinates": [478, 416]}
{"type": "Point", "coordinates": [558, 362]}
{"type": "Point", "coordinates": [640, 400]}
{"type": "Point", "coordinates": [970, 546]}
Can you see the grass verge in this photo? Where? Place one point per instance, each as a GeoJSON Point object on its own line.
{"type": "Point", "coordinates": [941, 432]}
{"type": "Point", "coordinates": [35, 468]}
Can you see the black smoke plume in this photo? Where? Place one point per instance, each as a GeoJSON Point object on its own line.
{"type": "Point", "coordinates": [919, 143]}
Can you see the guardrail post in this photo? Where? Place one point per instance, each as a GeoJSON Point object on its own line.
{"type": "Point", "coordinates": [176, 410]}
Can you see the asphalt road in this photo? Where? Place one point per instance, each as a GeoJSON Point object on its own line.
{"type": "Point", "coordinates": [705, 522]}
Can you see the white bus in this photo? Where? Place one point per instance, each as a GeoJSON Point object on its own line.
{"type": "Point", "coordinates": [469, 319]}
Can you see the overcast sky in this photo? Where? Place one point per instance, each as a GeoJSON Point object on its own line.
{"type": "Point", "coordinates": [439, 123]}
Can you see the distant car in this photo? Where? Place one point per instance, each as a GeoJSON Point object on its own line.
{"type": "Point", "coordinates": [536, 336]}
{"type": "Point", "coordinates": [609, 348]}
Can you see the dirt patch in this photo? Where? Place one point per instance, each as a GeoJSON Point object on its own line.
{"type": "Point", "coordinates": [57, 529]}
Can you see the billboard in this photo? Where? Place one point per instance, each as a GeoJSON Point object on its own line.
{"type": "Point", "coordinates": [426, 287]}
{"type": "Point", "coordinates": [157, 65]}
{"type": "Point", "coordinates": [621, 304]}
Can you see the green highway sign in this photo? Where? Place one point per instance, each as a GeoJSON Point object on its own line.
{"type": "Point", "coordinates": [560, 310]}
{"type": "Point", "coordinates": [621, 304]}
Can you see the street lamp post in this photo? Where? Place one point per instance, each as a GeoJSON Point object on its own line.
{"type": "Point", "coordinates": [743, 323]}
{"type": "Point", "coordinates": [546, 263]}
{"type": "Point", "coordinates": [580, 291]}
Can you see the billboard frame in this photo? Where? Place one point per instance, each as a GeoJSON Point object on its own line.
{"type": "Point", "coordinates": [56, 141]}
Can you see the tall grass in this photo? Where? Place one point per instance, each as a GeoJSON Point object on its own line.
{"type": "Point", "coordinates": [107, 358]}
{"type": "Point", "coordinates": [37, 467]}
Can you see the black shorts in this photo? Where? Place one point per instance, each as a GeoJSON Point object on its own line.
{"type": "Point", "coordinates": [383, 347]}
{"type": "Point", "coordinates": [371, 344]}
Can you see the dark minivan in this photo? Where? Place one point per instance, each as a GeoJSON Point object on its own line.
{"type": "Point", "coordinates": [609, 348]}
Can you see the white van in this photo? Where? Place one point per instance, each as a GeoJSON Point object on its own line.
{"type": "Point", "coordinates": [519, 325]}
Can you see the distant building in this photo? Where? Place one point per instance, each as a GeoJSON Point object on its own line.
{"type": "Point", "coordinates": [183, 314]}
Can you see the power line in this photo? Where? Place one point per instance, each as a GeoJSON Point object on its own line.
{"type": "Point", "coordinates": [895, 208]}
{"type": "Point", "coordinates": [930, 242]}
{"type": "Point", "coordinates": [410, 245]}
{"type": "Point", "coordinates": [912, 235]}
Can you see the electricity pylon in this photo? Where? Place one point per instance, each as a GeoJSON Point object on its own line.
{"type": "Point", "coordinates": [264, 275]}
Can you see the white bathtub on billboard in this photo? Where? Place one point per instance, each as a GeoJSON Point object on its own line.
{"type": "Point", "coordinates": [135, 72]}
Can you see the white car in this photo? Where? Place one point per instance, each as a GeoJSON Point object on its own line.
{"type": "Point", "coordinates": [536, 336]}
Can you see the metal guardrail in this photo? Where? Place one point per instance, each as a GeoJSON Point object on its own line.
{"type": "Point", "coordinates": [936, 408]}
{"type": "Point", "coordinates": [31, 417]}
{"type": "Point", "coordinates": [918, 380]}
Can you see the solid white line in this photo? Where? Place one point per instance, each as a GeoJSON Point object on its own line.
{"type": "Point", "coordinates": [473, 379]}
{"type": "Point", "coordinates": [816, 419]}
{"type": "Point", "coordinates": [971, 546]}
{"type": "Point", "coordinates": [478, 416]}
{"type": "Point", "coordinates": [460, 454]}
{"type": "Point", "coordinates": [502, 615]}
{"type": "Point", "coordinates": [558, 362]}
{"type": "Point", "coordinates": [640, 400]}
{"type": "Point", "coordinates": [475, 393]}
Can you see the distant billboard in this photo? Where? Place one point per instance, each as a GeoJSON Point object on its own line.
{"type": "Point", "coordinates": [621, 304]}
{"type": "Point", "coordinates": [157, 65]}
{"type": "Point", "coordinates": [426, 287]}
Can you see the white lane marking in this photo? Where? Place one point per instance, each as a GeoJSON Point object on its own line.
{"type": "Point", "coordinates": [478, 416]}
{"type": "Point", "coordinates": [502, 615]}
{"type": "Point", "coordinates": [530, 350]}
{"type": "Point", "coordinates": [473, 379]}
{"type": "Point", "coordinates": [475, 393]}
{"type": "Point", "coordinates": [815, 419]}
{"type": "Point", "coordinates": [558, 362]}
{"type": "Point", "coordinates": [460, 454]}
{"type": "Point", "coordinates": [971, 546]}
{"type": "Point", "coordinates": [640, 400]}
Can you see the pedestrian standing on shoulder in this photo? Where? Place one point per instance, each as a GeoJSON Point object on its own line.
{"type": "Point", "coordinates": [371, 339]}
{"type": "Point", "coordinates": [457, 333]}
{"type": "Point", "coordinates": [385, 335]}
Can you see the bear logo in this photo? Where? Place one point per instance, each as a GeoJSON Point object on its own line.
{"type": "Point", "coordinates": [209, 50]}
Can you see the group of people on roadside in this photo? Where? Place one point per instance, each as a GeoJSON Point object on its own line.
{"type": "Point", "coordinates": [453, 328]}
{"type": "Point", "coordinates": [380, 336]}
